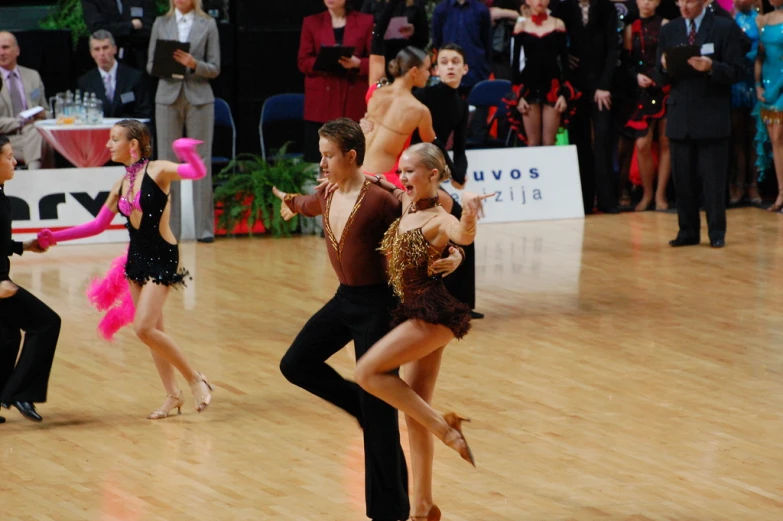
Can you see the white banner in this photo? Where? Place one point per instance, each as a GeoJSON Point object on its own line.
{"type": "Point", "coordinates": [62, 198]}
{"type": "Point", "coordinates": [532, 183]}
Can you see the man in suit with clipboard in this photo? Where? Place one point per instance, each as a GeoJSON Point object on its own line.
{"type": "Point", "coordinates": [119, 87]}
{"type": "Point", "coordinates": [699, 115]}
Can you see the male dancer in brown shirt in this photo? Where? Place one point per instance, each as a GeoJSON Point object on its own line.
{"type": "Point", "coordinates": [356, 216]}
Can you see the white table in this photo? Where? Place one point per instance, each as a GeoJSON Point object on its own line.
{"type": "Point", "coordinates": [83, 145]}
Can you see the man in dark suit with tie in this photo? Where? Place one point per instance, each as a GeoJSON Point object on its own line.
{"type": "Point", "coordinates": [119, 87]}
{"type": "Point", "coordinates": [129, 21]}
{"type": "Point", "coordinates": [699, 116]}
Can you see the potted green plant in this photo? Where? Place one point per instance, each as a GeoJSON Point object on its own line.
{"type": "Point", "coordinates": [67, 14]}
{"type": "Point", "coordinates": [244, 193]}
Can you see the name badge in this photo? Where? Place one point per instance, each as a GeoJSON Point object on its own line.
{"type": "Point", "coordinates": [707, 49]}
{"type": "Point", "coordinates": [137, 12]}
{"type": "Point", "coordinates": [35, 94]}
{"type": "Point", "coordinates": [128, 97]}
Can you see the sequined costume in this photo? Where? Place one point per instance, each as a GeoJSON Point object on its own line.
{"type": "Point", "coordinates": [150, 256]}
{"type": "Point", "coordinates": [422, 295]}
{"type": "Point", "coordinates": [770, 111]}
{"type": "Point", "coordinates": [650, 105]}
{"type": "Point", "coordinates": [743, 93]}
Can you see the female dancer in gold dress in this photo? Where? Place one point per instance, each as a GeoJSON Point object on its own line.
{"type": "Point", "coordinates": [428, 316]}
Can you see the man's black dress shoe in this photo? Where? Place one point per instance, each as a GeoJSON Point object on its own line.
{"type": "Point", "coordinates": [475, 315]}
{"type": "Point", "coordinates": [683, 242]}
{"type": "Point", "coordinates": [207, 240]}
{"type": "Point", "coordinates": [27, 409]}
{"type": "Point", "coordinates": [717, 243]}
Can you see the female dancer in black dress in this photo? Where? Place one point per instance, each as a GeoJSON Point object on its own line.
{"type": "Point", "coordinates": [641, 42]}
{"type": "Point", "coordinates": [428, 316]}
{"type": "Point", "coordinates": [152, 265]}
{"type": "Point", "coordinates": [541, 91]}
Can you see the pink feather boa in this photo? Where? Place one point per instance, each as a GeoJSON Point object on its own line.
{"type": "Point", "coordinates": [112, 294]}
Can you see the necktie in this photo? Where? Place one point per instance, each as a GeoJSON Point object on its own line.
{"type": "Point", "coordinates": [15, 90]}
{"type": "Point", "coordinates": [584, 5]}
{"type": "Point", "coordinates": [119, 5]}
{"type": "Point", "coordinates": [108, 86]}
{"type": "Point", "coordinates": [692, 33]}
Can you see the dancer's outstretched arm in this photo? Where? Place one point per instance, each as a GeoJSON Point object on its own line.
{"type": "Point", "coordinates": [191, 168]}
{"type": "Point", "coordinates": [463, 231]}
{"type": "Point", "coordinates": [307, 205]}
{"type": "Point", "coordinates": [98, 225]}
{"type": "Point", "coordinates": [386, 185]}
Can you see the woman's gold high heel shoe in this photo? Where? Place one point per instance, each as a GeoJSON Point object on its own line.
{"type": "Point", "coordinates": [434, 515]}
{"type": "Point", "coordinates": [203, 399]}
{"type": "Point", "coordinates": [169, 404]}
{"type": "Point", "coordinates": [455, 422]}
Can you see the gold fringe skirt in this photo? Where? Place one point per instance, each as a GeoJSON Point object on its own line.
{"type": "Point", "coordinates": [771, 116]}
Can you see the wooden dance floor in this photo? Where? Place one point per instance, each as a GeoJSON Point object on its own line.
{"type": "Point", "coordinates": [614, 379]}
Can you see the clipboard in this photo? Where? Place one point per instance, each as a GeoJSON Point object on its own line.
{"type": "Point", "coordinates": [677, 61]}
{"type": "Point", "coordinates": [329, 57]}
{"type": "Point", "coordinates": [395, 25]}
{"type": "Point", "coordinates": [163, 63]}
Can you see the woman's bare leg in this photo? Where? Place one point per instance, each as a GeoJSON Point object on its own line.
{"type": "Point", "coordinates": [776, 136]}
{"type": "Point", "coordinates": [165, 369]}
{"type": "Point", "coordinates": [646, 169]}
{"type": "Point", "coordinates": [410, 341]}
{"type": "Point", "coordinates": [149, 313]}
{"type": "Point", "coordinates": [421, 375]}
{"type": "Point", "coordinates": [532, 121]}
{"type": "Point", "coordinates": [551, 125]}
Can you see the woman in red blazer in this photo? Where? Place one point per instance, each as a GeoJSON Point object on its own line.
{"type": "Point", "coordinates": [334, 95]}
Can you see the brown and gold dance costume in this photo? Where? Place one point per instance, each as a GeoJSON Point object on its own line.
{"type": "Point", "coordinates": [422, 296]}
{"type": "Point", "coordinates": [358, 312]}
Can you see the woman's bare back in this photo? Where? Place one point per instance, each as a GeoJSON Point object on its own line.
{"type": "Point", "coordinates": [395, 114]}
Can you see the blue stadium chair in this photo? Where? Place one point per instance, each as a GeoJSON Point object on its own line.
{"type": "Point", "coordinates": [489, 93]}
{"type": "Point", "coordinates": [225, 136]}
{"type": "Point", "coordinates": [279, 109]}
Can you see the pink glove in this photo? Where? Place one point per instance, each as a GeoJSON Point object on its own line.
{"type": "Point", "coordinates": [48, 238]}
{"type": "Point", "coordinates": [193, 167]}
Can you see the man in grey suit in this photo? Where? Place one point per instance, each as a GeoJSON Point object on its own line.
{"type": "Point", "coordinates": [186, 107]}
{"type": "Point", "coordinates": [699, 116]}
{"type": "Point", "coordinates": [22, 89]}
